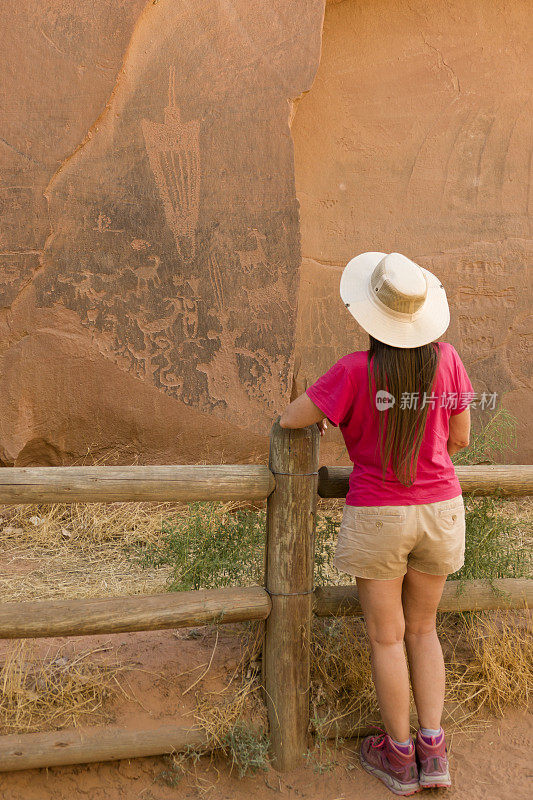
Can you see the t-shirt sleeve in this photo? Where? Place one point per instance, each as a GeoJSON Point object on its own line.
{"type": "Point", "coordinates": [333, 393]}
{"type": "Point", "coordinates": [463, 387]}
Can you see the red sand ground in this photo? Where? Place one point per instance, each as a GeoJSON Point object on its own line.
{"type": "Point", "coordinates": [492, 765]}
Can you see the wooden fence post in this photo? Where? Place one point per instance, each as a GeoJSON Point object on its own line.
{"type": "Point", "coordinates": [291, 516]}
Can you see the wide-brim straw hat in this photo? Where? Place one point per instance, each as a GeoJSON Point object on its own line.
{"type": "Point", "coordinates": [395, 300]}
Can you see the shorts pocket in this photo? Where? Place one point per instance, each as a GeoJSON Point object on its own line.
{"type": "Point", "coordinates": [362, 514]}
{"type": "Point", "coordinates": [368, 551]}
{"type": "Point", "coordinates": [392, 516]}
{"type": "Point", "coordinates": [451, 516]}
{"type": "Point", "coordinates": [448, 505]}
{"type": "Point", "coordinates": [373, 524]}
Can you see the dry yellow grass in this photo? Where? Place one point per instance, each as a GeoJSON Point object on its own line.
{"type": "Point", "coordinates": [495, 669]}
{"type": "Point", "coordinates": [47, 692]}
{"type": "Point", "coordinates": [234, 718]}
{"type": "Point", "coordinates": [218, 713]}
{"type": "Point", "coordinates": [79, 549]}
{"type": "Point", "coordinates": [342, 692]}
{"type": "Point", "coordinates": [489, 667]}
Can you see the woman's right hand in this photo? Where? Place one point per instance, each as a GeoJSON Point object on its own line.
{"type": "Point", "coordinates": [322, 426]}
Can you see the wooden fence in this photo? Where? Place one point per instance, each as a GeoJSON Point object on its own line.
{"type": "Point", "coordinates": [291, 485]}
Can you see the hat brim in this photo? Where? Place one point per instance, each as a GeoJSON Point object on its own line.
{"type": "Point", "coordinates": [430, 323]}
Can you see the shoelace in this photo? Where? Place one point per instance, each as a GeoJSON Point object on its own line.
{"type": "Point", "coordinates": [379, 741]}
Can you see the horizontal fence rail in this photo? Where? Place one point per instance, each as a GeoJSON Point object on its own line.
{"type": "Point", "coordinates": [512, 480]}
{"type": "Point", "coordinates": [99, 743]}
{"type": "Point", "coordinates": [80, 617]}
{"type": "Point", "coordinates": [343, 601]}
{"type": "Point", "coordinates": [174, 483]}
{"type": "Point", "coordinates": [187, 483]}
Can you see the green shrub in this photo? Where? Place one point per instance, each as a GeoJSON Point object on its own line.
{"type": "Point", "coordinates": [491, 441]}
{"type": "Point", "coordinates": [493, 548]}
{"type": "Point", "coordinates": [492, 542]}
{"type": "Point", "coordinates": [208, 549]}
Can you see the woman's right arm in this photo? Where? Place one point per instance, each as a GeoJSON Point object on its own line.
{"type": "Point", "coordinates": [459, 431]}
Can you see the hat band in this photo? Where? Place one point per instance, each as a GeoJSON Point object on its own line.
{"type": "Point", "coordinates": [401, 316]}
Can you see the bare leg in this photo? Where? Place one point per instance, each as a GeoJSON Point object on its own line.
{"type": "Point", "coordinates": [381, 602]}
{"type": "Point", "coordinates": [420, 597]}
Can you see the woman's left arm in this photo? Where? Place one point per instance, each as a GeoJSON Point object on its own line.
{"type": "Point", "coordinates": [301, 413]}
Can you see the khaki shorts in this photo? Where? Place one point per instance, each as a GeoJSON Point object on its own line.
{"type": "Point", "coordinates": [380, 541]}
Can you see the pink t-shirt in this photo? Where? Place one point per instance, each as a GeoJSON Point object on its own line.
{"type": "Point", "coordinates": [342, 395]}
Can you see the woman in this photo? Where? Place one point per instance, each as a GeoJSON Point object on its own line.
{"type": "Point", "coordinates": [403, 410]}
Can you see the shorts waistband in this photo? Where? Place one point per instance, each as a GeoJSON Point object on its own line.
{"type": "Point", "coordinates": [452, 502]}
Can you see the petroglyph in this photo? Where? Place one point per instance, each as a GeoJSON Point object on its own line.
{"type": "Point", "coordinates": [519, 350]}
{"type": "Point", "coordinates": [215, 274]}
{"type": "Point", "coordinates": [174, 154]}
{"type": "Point", "coordinates": [480, 296]}
{"type": "Point", "coordinates": [103, 225]}
{"type": "Point", "coordinates": [251, 261]}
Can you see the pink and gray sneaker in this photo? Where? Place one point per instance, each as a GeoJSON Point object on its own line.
{"type": "Point", "coordinates": [397, 770]}
{"type": "Point", "coordinates": [432, 756]}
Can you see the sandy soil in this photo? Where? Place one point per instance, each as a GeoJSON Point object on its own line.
{"type": "Point", "coordinates": [492, 764]}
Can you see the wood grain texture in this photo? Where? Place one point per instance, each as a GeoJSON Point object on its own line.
{"type": "Point", "coordinates": [83, 746]}
{"type": "Point", "coordinates": [329, 601]}
{"type": "Point", "coordinates": [291, 517]}
{"type": "Point", "coordinates": [138, 613]}
{"type": "Point", "coordinates": [179, 482]}
{"type": "Point", "coordinates": [513, 480]}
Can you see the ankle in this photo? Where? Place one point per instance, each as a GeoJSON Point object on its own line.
{"type": "Point", "coordinates": [430, 731]}
{"type": "Point", "coordinates": [431, 736]}
{"type": "Point", "coordinates": [405, 747]}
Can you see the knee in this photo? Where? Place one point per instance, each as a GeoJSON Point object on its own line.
{"type": "Point", "coordinates": [388, 634]}
{"type": "Point", "coordinates": [420, 626]}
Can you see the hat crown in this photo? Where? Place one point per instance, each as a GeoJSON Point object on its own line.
{"type": "Point", "coordinates": [399, 284]}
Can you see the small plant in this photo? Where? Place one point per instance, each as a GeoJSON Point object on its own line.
{"type": "Point", "coordinates": [322, 756]}
{"type": "Point", "coordinates": [491, 442]}
{"type": "Point", "coordinates": [247, 748]}
{"type": "Point", "coordinates": [244, 747]}
{"type": "Point", "coordinates": [179, 765]}
{"type": "Point", "coordinates": [209, 548]}
{"type": "Point", "coordinates": [492, 543]}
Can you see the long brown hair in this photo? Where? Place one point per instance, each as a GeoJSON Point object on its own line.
{"type": "Point", "coordinates": [397, 370]}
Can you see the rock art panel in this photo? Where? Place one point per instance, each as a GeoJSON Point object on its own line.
{"type": "Point", "coordinates": [152, 224]}
{"type": "Point", "coordinates": [175, 232]}
{"type": "Point", "coordinates": [423, 137]}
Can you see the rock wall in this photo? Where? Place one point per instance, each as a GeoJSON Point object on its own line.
{"type": "Point", "coordinates": [151, 251]}
{"type": "Point", "coordinates": [416, 138]}
{"type": "Point", "coordinates": [169, 259]}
